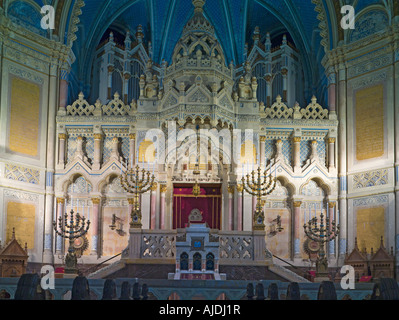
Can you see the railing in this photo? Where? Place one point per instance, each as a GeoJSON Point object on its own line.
{"type": "Point", "coordinates": [305, 273]}
{"type": "Point", "coordinates": [233, 246]}
{"type": "Point", "coordinates": [96, 267]}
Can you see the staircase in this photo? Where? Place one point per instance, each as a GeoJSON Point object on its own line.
{"type": "Point", "coordinates": [106, 271]}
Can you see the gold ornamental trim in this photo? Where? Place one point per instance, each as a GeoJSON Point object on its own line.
{"type": "Point", "coordinates": [96, 200]}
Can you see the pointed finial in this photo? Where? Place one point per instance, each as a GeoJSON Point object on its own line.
{"type": "Point", "coordinates": [139, 33]}
{"type": "Point", "coordinates": [198, 6]}
{"type": "Point", "coordinates": [382, 242]}
{"type": "Point", "coordinates": [356, 244]}
{"type": "Point", "coordinates": [13, 233]}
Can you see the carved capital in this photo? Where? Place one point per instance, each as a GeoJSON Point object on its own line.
{"type": "Point", "coordinates": [240, 188]}
{"type": "Point", "coordinates": [297, 139]}
{"type": "Point", "coordinates": [262, 138]}
{"type": "Point", "coordinates": [297, 204]}
{"type": "Point", "coordinates": [62, 136]}
{"type": "Point", "coordinates": [332, 205]}
{"type": "Point", "coordinates": [163, 188]}
{"type": "Point", "coordinates": [96, 201]}
{"type": "Point", "coordinates": [331, 140]}
{"type": "Point", "coordinates": [231, 189]}
{"type": "Point", "coordinates": [132, 136]}
{"type": "Point", "coordinates": [60, 200]}
{"type": "Point", "coordinates": [98, 136]}
{"type": "Point", "coordinates": [154, 187]}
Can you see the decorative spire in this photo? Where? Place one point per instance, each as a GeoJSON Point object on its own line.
{"type": "Point", "coordinates": [198, 6]}
{"type": "Point", "coordinates": [382, 242]}
{"type": "Point", "coordinates": [198, 23]}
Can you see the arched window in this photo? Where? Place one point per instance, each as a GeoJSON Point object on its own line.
{"type": "Point", "coordinates": [210, 262]}
{"type": "Point", "coordinates": [197, 262]}
{"type": "Point", "coordinates": [184, 261]}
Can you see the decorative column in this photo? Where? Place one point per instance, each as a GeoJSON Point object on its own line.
{"type": "Point", "coordinates": [331, 153]}
{"type": "Point", "coordinates": [331, 210]}
{"type": "Point", "coordinates": [60, 213]}
{"type": "Point", "coordinates": [262, 148]}
{"type": "Point", "coordinates": [297, 154]}
{"type": "Point", "coordinates": [342, 169]}
{"type": "Point", "coordinates": [284, 73]}
{"type": "Point", "coordinates": [297, 227]}
{"type": "Point", "coordinates": [64, 75]}
{"type": "Point", "coordinates": [132, 150]}
{"type": "Point", "coordinates": [162, 210]}
{"type": "Point", "coordinates": [268, 71]}
{"type": "Point", "coordinates": [231, 190]}
{"type": "Point", "coordinates": [48, 257]}
{"type": "Point", "coordinates": [61, 149]}
{"type": "Point", "coordinates": [240, 190]}
{"type": "Point", "coordinates": [109, 90]}
{"type": "Point", "coordinates": [153, 207]}
{"type": "Point", "coordinates": [97, 151]}
{"type": "Point", "coordinates": [94, 225]}
{"type": "Point", "coordinates": [396, 89]}
{"type": "Point", "coordinates": [332, 94]}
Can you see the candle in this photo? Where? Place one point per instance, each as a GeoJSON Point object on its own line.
{"type": "Point", "coordinates": [88, 213]}
{"type": "Point", "coordinates": [83, 209]}
{"type": "Point", "coordinates": [304, 211]}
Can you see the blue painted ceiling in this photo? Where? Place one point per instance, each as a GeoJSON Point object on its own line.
{"type": "Point", "coordinates": [234, 22]}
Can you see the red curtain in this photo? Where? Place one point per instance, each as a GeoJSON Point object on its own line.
{"type": "Point", "coordinates": [209, 202]}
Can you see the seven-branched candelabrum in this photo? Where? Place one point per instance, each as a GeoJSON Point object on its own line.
{"type": "Point", "coordinates": [322, 233]}
{"type": "Point", "coordinates": [132, 183]}
{"type": "Point", "coordinates": [73, 229]}
{"type": "Point", "coordinates": [259, 187]}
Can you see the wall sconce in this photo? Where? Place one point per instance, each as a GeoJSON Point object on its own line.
{"type": "Point", "coordinates": [279, 228]}
{"type": "Point", "coordinates": [117, 225]}
{"type": "Point", "coordinates": [276, 227]}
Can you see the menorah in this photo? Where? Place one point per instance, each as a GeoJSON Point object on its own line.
{"type": "Point", "coordinates": [132, 183]}
{"type": "Point", "coordinates": [76, 228]}
{"type": "Point", "coordinates": [322, 234]}
{"type": "Point", "coordinates": [260, 187]}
